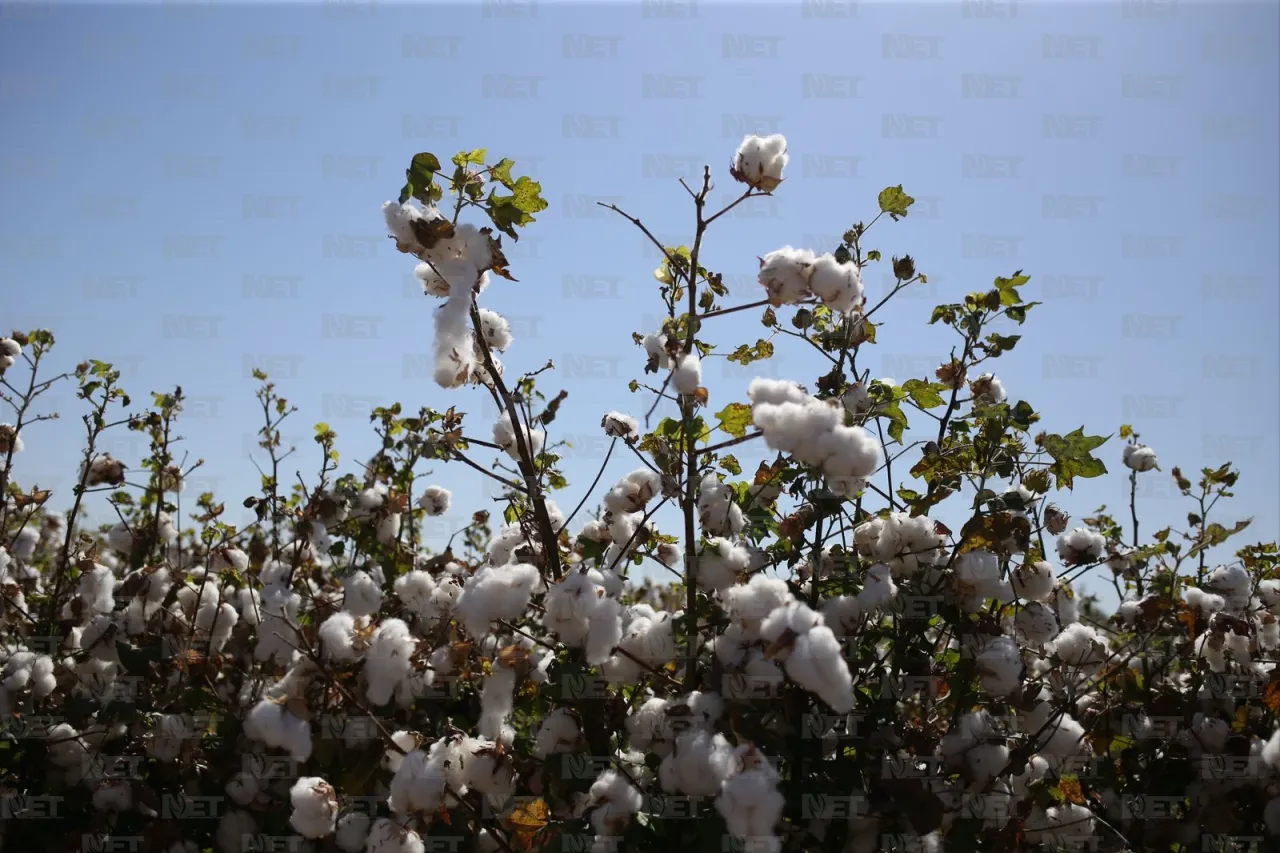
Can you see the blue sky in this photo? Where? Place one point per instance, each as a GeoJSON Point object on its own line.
{"type": "Point", "coordinates": [193, 189]}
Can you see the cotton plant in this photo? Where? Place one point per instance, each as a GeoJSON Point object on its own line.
{"type": "Point", "coordinates": [346, 682]}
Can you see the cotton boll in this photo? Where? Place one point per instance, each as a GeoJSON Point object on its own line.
{"type": "Point", "coordinates": [435, 500]}
{"type": "Point", "coordinates": [1081, 546]}
{"type": "Point", "coordinates": [817, 664]}
{"type": "Point", "coordinates": [719, 564]}
{"type": "Point", "coordinates": [988, 389]}
{"type": "Point", "coordinates": [978, 579]}
{"type": "Point", "coordinates": [504, 435]}
{"type": "Point", "coordinates": [698, 765]}
{"type": "Point", "coordinates": [759, 162]}
{"type": "Point", "coordinates": [751, 804]}
{"type": "Point", "coordinates": [388, 662]}
{"type": "Point", "coordinates": [614, 801]}
{"type": "Point", "coordinates": [275, 726]}
{"type": "Point", "coordinates": [622, 426]}
{"type": "Point", "coordinates": [1140, 458]}
{"type": "Point", "coordinates": [338, 636]}
{"type": "Point", "coordinates": [352, 830]}
{"type": "Point", "coordinates": [497, 332]}
{"type": "Point", "coordinates": [9, 352]}
{"type": "Point", "coordinates": [775, 392]}
{"type": "Point", "coordinates": [605, 631]}
{"type": "Point", "coordinates": [496, 702]}
{"type": "Point", "coordinates": [97, 588]}
{"type": "Point", "coordinates": [387, 836]}
{"type": "Point", "coordinates": [784, 274]}
{"type": "Point", "coordinates": [1033, 582]}
{"type": "Point", "coordinates": [1000, 667]}
{"type": "Point", "coordinates": [1037, 622]}
{"type": "Point", "coordinates": [752, 602]}
{"type": "Point", "coordinates": [838, 285]}
{"type": "Point", "coordinates": [315, 807]}
{"type": "Point", "coordinates": [1079, 645]}
{"type": "Point", "coordinates": [561, 731]}
{"type": "Point", "coordinates": [878, 589]}
{"type": "Point", "coordinates": [1233, 583]}
{"type": "Point", "coordinates": [361, 594]}
{"type": "Point", "coordinates": [655, 345]}
{"type": "Point", "coordinates": [415, 589]}
{"type": "Point", "coordinates": [495, 592]}
{"type": "Point", "coordinates": [688, 373]}
{"type": "Point", "coordinates": [243, 788]}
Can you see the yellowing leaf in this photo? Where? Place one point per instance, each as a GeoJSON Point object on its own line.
{"type": "Point", "coordinates": [735, 418]}
{"type": "Point", "coordinates": [525, 820]}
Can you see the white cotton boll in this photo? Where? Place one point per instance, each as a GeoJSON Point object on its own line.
{"type": "Point", "coordinates": [337, 638]}
{"type": "Point", "coordinates": [844, 614]}
{"type": "Point", "coordinates": [752, 602]}
{"type": "Point", "coordinates": [849, 451]}
{"type": "Point", "coordinates": [986, 760]}
{"type": "Point", "coordinates": [217, 624]}
{"type": "Point", "coordinates": [878, 588]}
{"type": "Point", "coordinates": [1205, 602]}
{"type": "Point", "coordinates": [388, 662]}
{"type": "Point", "coordinates": [96, 589]}
{"type": "Point", "coordinates": [978, 578]}
{"type": "Point", "coordinates": [1233, 583]}
{"type": "Point", "coordinates": [361, 595]}
{"type": "Point", "coordinates": [415, 589]}
{"type": "Point", "coordinates": [1081, 546]}
{"type": "Point", "coordinates": [1060, 736]}
{"type": "Point", "coordinates": [760, 161]}
{"type": "Point", "coordinates": [495, 592]}
{"type": "Point", "coordinates": [1270, 753]}
{"type": "Point", "coordinates": [1269, 594]}
{"type": "Point", "coordinates": [113, 797]}
{"type": "Point", "coordinates": [228, 558]}
{"type": "Point", "coordinates": [1000, 667]}
{"type": "Point", "coordinates": [275, 726]}
{"type": "Point", "coordinates": [655, 345]}
{"type": "Point", "coordinates": [569, 605]}
{"type": "Point", "coordinates": [435, 500]}
{"type": "Point", "coordinates": [400, 217]}
{"type": "Point", "coordinates": [622, 426]}
{"type": "Point", "coordinates": [497, 332]}
{"type": "Point", "coordinates": [688, 373]}
{"type": "Point", "coordinates": [243, 788]}
{"type": "Point", "coordinates": [9, 352]}
{"type": "Point", "coordinates": [315, 807]}
{"type": "Point", "coordinates": [1140, 458]}
{"type": "Point", "coordinates": [1033, 582]}
{"type": "Point", "coordinates": [698, 765]}
{"type": "Point", "coordinates": [817, 664]}
{"type": "Point", "coordinates": [775, 392]}
{"type": "Point", "coordinates": [561, 731]}
{"type": "Point", "coordinates": [719, 564]}
{"type": "Point", "coordinates": [1037, 622]}
{"type": "Point", "coordinates": [751, 804]}
{"type": "Point", "coordinates": [615, 801]}
{"type": "Point", "coordinates": [496, 701]}
{"type": "Point", "coordinates": [387, 836]}
{"type": "Point", "coordinates": [838, 285]}
{"type": "Point", "coordinates": [351, 831]}
{"type": "Point", "coordinates": [793, 617]}
{"type": "Point", "coordinates": [504, 435]}
{"type": "Point", "coordinates": [407, 741]}
{"type": "Point", "coordinates": [988, 389]}
{"type": "Point", "coordinates": [605, 631]}
{"type": "Point", "coordinates": [488, 770]}
{"type": "Point", "coordinates": [784, 274]}
{"type": "Point", "coordinates": [1078, 645]}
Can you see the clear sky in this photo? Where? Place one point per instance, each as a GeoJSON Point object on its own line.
{"type": "Point", "coordinates": [192, 189]}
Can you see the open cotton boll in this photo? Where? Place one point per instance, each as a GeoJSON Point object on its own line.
{"type": "Point", "coordinates": [1081, 546]}
{"type": "Point", "coordinates": [103, 469]}
{"type": "Point", "coordinates": [759, 161]}
{"type": "Point", "coordinates": [878, 588]}
{"type": "Point", "coordinates": [97, 588]}
{"type": "Point", "coordinates": [315, 807]}
{"type": "Point", "coordinates": [784, 274]}
{"type": "Point", "coordinates": [9, 352]}
{"type": "Point", "coordinates": [388, 836]}
{"type": "Point", "coordinates": [1037, 623]}
{"type": "Point", "coordinates": [275, 726]}
{"type": "Point", "coordinates": [1000, 667]}
{"type": "Point", "coordinates": [719, 564]}
{"type": "Point", "coordinates": [838, 285]}
{"type": "Point", "coordinates": [698, 764]}
{"type": "Point", "coordinates": [633, 492]}
{"type": "Point", "coordinates": [569, 605]}
{"type": "Point", "coordinates": [388, 662]}
{"type": "Point", "coordinates": [622, 426]}
{"type": "Point", "coordinates": [614, 801]}
{"type": "Point", "coordinates": [361, 595]}
{"type": "Point", "coordinates": [497, 332]}
{"type": "Point", "coordinates": [752, 602]}
{"type": "Point", "coordinates": [1233, 583]}
{"type": "Point", "coordinates": [988, 389]}
{"type": "Point", "coordinates": [560, 731]}
{"type": "Point", "coordinates": [688, 373]}
{"type": "Point", "coordinates": [655, 345]}
{"type": "Point", "coordinates": [817, 664]}
{"type": "Point", "coordinates": [1033, 582]}
{"type": "Point", "coordinates": [504, 435]}
{"type": "Point", "coordinates": [775, 392]}
{"type": "Point", "coordinates": [1140, 458]}
{"type": "Point", "coordinates": [419, 782]}
{"type": "Point", "coordinates": [978, 579]}
{"type": "Point", "coordinates": [352, 830]}
{"type": "Point", "coordinates": [1079, 645]}
{"type": "Point", "coordinates": [496, 701]}
{"type": "Point", "coordinates": [435, 500]}
{"type": "Point", "coordinates": [751, 806]}
{"type": "Point", "coordinates": [849, 451]}
{"type": "Point", "coordinates": [338, 637]}
{"type": "Point", "coordinates": [415, 589]}
{"type": "Point", "coordinates": [495, 592]}
{"type": "Point", "coordinates": [605, 631]}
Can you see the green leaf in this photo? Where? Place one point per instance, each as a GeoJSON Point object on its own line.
{"type": "Point", "coordinates": [1072, 455]}
{"type": "Point", "coordinates": [501, 172]}
{"type": "Point", "coordinates": [744, 354]}
{"type": "Point", "coordinates": [895, 202]}
{"type": "Point", "coordinates": [924, 394]}
{"type": "Point", "coordinates": [730, 464]}
{"type": "Point", "coordinates": [897, 420]}
{"type": "Point", "coordinates": [465, 158]}
{"type": "Point", "coordinates": [735, 418]}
